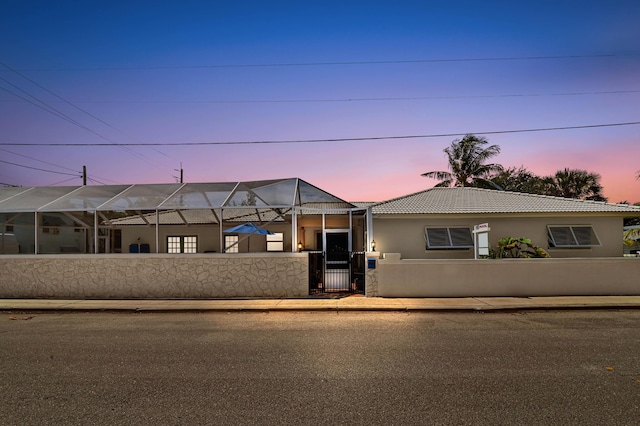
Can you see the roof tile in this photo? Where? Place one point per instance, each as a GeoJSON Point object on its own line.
{"type": "Point", "coordinates": [475, 200]}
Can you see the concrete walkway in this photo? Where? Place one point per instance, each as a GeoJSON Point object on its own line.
{"type": "Point", "coordinates": [352, 303]}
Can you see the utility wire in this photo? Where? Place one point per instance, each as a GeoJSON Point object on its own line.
{"type": "Point", "coordinates": [64, 181]}
{"type": "Point", "coordinates": [57, 113]}
{"type": "Point", "coordinates": [398, 98]}
{"type": "Point", "coordinates": [52, 164]}
{"type": "Point", "coordinates": [35, 159]}
{"type": "Point", "coordinates": [94, 180]}
{"type": "Point", "coordinates": [300, 141]}
{"type": "Point", "coordinates": [411, 98]}
{"type": "Point", "coordinates": [310, 64]}
{"type": "Point", "coordinates": [42, 170]}
{"type": "Point", "coordinates": [71, 104]}
{"type": "Point", "coordinates": [38, 103]}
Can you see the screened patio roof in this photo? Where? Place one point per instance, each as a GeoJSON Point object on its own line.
{"type": "Point", "coordinates": [255, 195]}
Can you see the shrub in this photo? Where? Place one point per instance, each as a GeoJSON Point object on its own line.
{"type": "Point", "coordinates": [509, 247]}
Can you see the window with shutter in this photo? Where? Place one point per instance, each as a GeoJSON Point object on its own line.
{"type": "Point", "coordinates": [572, 236]}
{"type": "Point", "coordinates": [448, 238]}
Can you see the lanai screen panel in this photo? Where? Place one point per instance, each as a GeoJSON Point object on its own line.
{"type": "Point", "coordinates": [258, 215]}
{"type": "Point", "coordinates": [87, 198]}
{"type": "Point", "coordinates": [35, 198]}
{"type": "Point", "coordinates": [274, 193]}
{"type": "Point", "coordinates": [200, 196]}
{"type": "Point", "coordinates": [141, 197]}
{"type": "Point", "coordinates": [263, 193]}
{"type": "Point", "coordinates": [313, 197]}
{"type": "Point", "coordinates": [9, 191]}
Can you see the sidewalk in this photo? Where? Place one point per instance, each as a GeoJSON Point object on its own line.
{"type": "Point", "coordinates": [352, 303]}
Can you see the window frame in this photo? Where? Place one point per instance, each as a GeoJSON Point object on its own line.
{"type": "Point", "coordinates": [231, 243]}
{"type": "Point", "coordinates": [552, 240]}
{"type": "Point", "coordinates": [182, 244]}
{"type": "Point", "coordinates": [451, 245]}
{"type": "Point", "coordinates": [272, 238]}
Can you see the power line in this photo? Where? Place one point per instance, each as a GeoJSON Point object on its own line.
{"type": "Point", "coordinates": [42, 170]}
{"type": "Point", "coordinates": [64, 181]}
{"type": "Point", "coordinates": [333, 63]}
{"type": "Point", "coordinates": [410, 98]}
{"type": "Point", "coordinates": [38, 103]}
{"type": "Point", "coordinates": [51, 164]}
{"type": "Point", "coordinates": [57, 113]}
{"type": "Point", "coordinates": [78, 108]}
{"type": "Point", "coordinates": [71, 104]}
{"type": "Point", "coordinates": [35, 159]}
{"type": "Point", "coordinates": [373, 138]}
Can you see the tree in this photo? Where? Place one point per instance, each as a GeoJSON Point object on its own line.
{"type": "Point", "coordinates": [467, 158]}
{"type": "Point", "coordinates": [573, 183]}
{"type": "Point", "coordinates": [516, 179]}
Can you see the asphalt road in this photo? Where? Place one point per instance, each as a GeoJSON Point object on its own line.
{"type": "Point", "coordinates": [560, 367]}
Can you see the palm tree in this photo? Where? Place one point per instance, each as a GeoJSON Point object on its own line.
{"type": "Point", "coordinates": [516, 179]}
{"type": "Point", "coordinates": [467, 157]}
{"type": "Point", "coordinates": [574, 183]}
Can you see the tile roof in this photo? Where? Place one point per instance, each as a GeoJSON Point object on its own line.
{"type": "Point", "coordinates": [475, 200]}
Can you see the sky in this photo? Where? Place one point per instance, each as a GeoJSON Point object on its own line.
{"type": "Point", "coordinates": [107, 75]}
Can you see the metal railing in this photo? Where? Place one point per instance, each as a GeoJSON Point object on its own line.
{"type": "Point", "coordinates": [336, 272]}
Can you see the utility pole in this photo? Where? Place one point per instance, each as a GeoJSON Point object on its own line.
{"type": "Point", "coordinates": [84, 175]}
{"type": "Point", "coordinates": [181, 173]}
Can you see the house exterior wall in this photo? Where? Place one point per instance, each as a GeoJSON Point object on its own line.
{"type": "Point", "coordinates": [135, 276]}
{"type": "Point", "coordinates": [208, 237]}
{"type": "Point", "coordinates": [311, 227]}
{"type": "Point", "coordinates": [506, 277]}
{"type": "Point", "coordinates": [406, 234]}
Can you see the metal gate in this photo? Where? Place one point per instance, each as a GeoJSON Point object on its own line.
{"type": "Point", "coordinates": [341, 272]}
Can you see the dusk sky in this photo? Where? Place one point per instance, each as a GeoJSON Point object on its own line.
{"type": "Point", "coordinates": [175, 73]}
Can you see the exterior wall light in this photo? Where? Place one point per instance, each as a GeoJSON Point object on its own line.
{"type": "Point", "coordinates": [300, 246]}
{"type": "Point", "coordinates": [373, 245]}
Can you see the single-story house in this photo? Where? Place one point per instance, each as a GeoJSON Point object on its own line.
{"type": "Point", "coordinates": [179, 218]}
{"type": "Point", "coordinates": [176, 240]}
{"type": "Point", "coordinates": [438, 223]}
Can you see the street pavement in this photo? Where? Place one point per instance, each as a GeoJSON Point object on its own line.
{"type": "Point", "coordinates": [560, 367]}
{"type": "Point", "coordinates": [350, 303]}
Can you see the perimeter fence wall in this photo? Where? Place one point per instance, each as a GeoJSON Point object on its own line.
{"type": "Point", "coordinates": [154, 276]}
{"type": "Point", "coordinates": [506, 277]}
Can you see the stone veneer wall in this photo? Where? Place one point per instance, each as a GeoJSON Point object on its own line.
{"type": "Point", "coordinates": [135, 276]}
{"type": "Point", "coordinates": [371, 277]}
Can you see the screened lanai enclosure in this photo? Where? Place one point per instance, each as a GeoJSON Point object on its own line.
{"type": "Point", "coordinates": [179, 218]}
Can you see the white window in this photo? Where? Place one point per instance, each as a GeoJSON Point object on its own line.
{"type": "Point", "coordinates": [182, 244]}
{"type": "Point", "coordinates": [448, 237]}
{"type": "Point", "coordinates": [572, 236]}
{"type": "Point", "coordinates": [231, 244]}
{"type": "Point", "coordinates": [275, 242]}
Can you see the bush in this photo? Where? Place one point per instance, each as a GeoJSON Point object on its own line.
{"type": "Point", "coordinates": [509, 247]}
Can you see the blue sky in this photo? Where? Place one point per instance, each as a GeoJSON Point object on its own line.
{"type": "Point", "coordinates": [176, 72]}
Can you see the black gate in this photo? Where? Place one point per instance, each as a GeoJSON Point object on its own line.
{"type": "Point", "coordinates": [342, 272]}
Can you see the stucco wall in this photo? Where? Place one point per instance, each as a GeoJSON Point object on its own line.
{"type": "Point", "coordinates": [154, 276]}
{"type": "Point", "coordinates": [507, 277]}
{"type": "Point", "coordinates": [208, 237]}
{"type": "Point", "coordinates": [405, 235]}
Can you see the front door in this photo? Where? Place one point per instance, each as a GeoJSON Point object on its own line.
{"type": "Point", "coordinates": [337, 276]}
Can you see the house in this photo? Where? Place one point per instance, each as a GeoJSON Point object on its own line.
{"type": "Point", "coordinates": [179, 218]}
{"type": "Point", "coordinates": [175, 241]}
{"type": "Point", "coordinates": [438, 223]}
